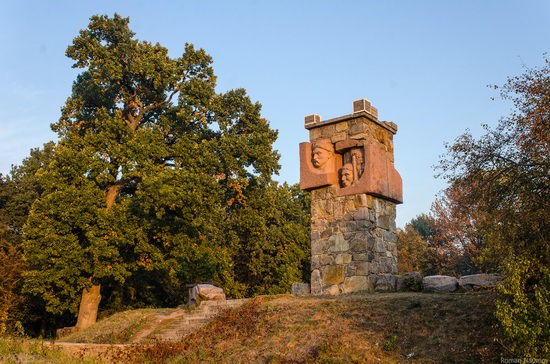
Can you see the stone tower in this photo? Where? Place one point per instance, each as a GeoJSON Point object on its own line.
{"type": "Point", "coordinates": [348, 166]}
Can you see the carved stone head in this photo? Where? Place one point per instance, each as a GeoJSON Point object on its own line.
{"type": "Point", "coordinates": [323, 153]}
{"type": "Point", "coordinates": [346, 175]}
{"type": "Point", "coordinates": [358, 161]}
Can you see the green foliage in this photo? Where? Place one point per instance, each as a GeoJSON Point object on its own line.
{"type": "Point", "coordinates": [390, 343]}
{"type": "Point", "coordinates": [423, 225]}
{"type": "Point", "coordinates": [524, 312]}
{"type": "Point", "coordinates": [412, 285]}
{"type": "Point", "coordinates": [504, 177]}
{"type": "Point", "coordinates": [157, 178]}
{"type": "Point", "coordinates": [270, 239]}
{"type": "Point", "coordinates": [68, 239]}
{"type": "Point", "coordinates": [18, 190]}
{"type": "Point", "coordinates": [413, 251]}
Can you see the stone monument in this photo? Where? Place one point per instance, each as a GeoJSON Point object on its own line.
{"type": "Point", "coordinates": [348, 166]}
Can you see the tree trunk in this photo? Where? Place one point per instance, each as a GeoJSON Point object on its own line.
{"type": "Point", "coordinates": [42, 330]}
{"type": "Point", "coordinates": [111, 194]}
{"type": "Point", "coordinates": [89, 305]}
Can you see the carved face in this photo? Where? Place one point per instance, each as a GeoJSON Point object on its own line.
{"type": "Point", "coordinates": [358, 154]}
{"type": "Point", "coordinates": [320, 157]}
{"type": "Point", "coordinates": [347, 176]}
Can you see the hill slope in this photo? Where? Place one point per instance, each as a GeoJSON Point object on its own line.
{"type": "Point", "coordinates": [361, 328]}
{"type": "Point", "coordinates": [147, 326]}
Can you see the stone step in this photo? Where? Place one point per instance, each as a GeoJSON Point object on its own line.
{"type": "Point", "coordinates": [190, 321]}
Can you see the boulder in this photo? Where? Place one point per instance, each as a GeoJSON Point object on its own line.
{"type": "Point", "coordinates": [478, 281]}
{"type": "Point", "coordinates": [205, 292]}
{"type": "Point", "coordinates": [440, 284]}
{"type": "Point", "coordinates": [409, 282]}
{"type": "Point", "coordinates": [386, 283]}
{"type": "Point", "coordinates": [301, 289]}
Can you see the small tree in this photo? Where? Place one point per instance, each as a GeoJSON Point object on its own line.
{"type": "Point", "coordinates": [456, 239]}
{"type": "Point", "coordinates": [504, 177]}
{"type": "Point", "coordinates": [413, 251]}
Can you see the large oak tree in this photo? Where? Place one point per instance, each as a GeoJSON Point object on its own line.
{"type": "Point", "coordinates": [151, 166]}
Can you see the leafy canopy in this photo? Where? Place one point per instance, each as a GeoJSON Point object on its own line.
{"type": "Point", "coordinates": [157, 175]}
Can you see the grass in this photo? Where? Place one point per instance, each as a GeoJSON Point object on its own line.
{"type": "Point", "coordinates": [20, 351]}
{"type": "Point", "coordinates": [119, 328]}
{"type": "Point", "coordinates": [363, 328]}
{"type": "Point", "coordinates": [357, 328]}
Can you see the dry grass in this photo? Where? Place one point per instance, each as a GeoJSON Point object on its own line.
{"type": "Point", "coordinates": [358, 328]}
{"type": "Point", "coordinates": [36, 352]}
{"type": "Point", "coordinates": [362, 328]}
{"type": "Point", "coordinates": [119, 328]}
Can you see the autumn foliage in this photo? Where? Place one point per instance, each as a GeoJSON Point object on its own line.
{"type": "Point", "coordinates": [501, 184]}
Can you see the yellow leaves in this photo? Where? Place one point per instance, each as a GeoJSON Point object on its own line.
{"type": "Point", "coordinates": [144, 260]}
{"type": "Point", "coordinates": [283, 249]}
{"type": "Point", "coordinates": [111, 234]}
{"type": "Point", "coordinates": [239, 194]}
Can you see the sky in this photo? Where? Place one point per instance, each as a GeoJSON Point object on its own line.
{"type": "Point", "coordinates": [425, 65]}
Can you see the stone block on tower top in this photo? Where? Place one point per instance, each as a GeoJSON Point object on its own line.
{"type": "Point", "coordinates": [364, 105]}
{"type": "Point", "coordinates": [311, 119]}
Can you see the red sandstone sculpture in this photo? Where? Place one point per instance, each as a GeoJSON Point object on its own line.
{"type": "Point", "coordinates": [355, 154]}
{"type": "Point", "coordinates": [321, 172]}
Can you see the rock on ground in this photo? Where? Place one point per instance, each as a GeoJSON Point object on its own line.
{"type": "Point", "coordinates": [411, 281]}
{"type": "Point", "coordinates": [205, 292]}
{"type": "Point", "coordinates": [440, 284]}
{"type": "Point", "coordinates": [386, 283]}
{"type": "Point", "coordinates": [478, 281]}
{"type": "Point", "coordinates": [301, 289]}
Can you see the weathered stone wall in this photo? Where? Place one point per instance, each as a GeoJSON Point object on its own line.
{"type": "Point", "coordinates": [348, 167]}
{"type": "Point", "coordinates": [353, 240]}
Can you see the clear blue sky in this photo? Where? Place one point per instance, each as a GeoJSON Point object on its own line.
{"type": "Point", "coordinates": [424, 64]}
